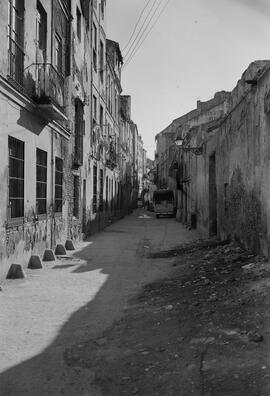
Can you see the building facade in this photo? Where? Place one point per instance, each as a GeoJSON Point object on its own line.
{"type": "Point", "coordinates": [223, 168]}
{"type": "Point", "coordinates": [64, 156]}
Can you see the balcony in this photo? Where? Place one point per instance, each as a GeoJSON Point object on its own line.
{"type": "Point", "coordinates": [111, 160]}
{"type": "Point", "coordinates": [45, 85]}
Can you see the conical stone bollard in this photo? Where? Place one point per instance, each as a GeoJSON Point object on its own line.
{"type": "Point", "coordinates": [60, 250]}
{"type": "Point", "coordinates": [48, 255]}
{"type": "Point", "coordinates": [34, 262]}
{"type": "Point", "coordinates": [16, 272]}
{"type": "Point", "coordinates": [69, 245]}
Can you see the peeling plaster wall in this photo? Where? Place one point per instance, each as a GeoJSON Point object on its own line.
{"type": "Point", "coordinates": [33, 233]}
{"type": "Point", "coordinates": [243, 167]}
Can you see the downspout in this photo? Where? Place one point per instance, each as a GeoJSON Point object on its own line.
{"type": "Point", "coordinates": [52, 31]}
{"type": "Point", "coordinates": [52, 141]}
{"type": "Point", "coordinates": [52, 192]}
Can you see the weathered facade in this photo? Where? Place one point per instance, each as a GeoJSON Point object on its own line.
{"type": "Point", "coordinates": [224, 189]}
{"type": "Point", "coordinates": [241, 148]}
{"type": "Point", "coordinates": [35, 85]}
{"type": "Point", "coordinates": [60, 86]}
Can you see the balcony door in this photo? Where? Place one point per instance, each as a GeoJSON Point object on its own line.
{"type": "Point", "coordinates": [41, 34]}
{"type": "Point", "coordinates": [16, 40]}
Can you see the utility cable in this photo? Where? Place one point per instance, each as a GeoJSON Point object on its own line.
{"type": "Point", "coordinates": [145, 21]}
{"type": "Point", "coordinates": [134, 52]}
{"type": "Point", "coordinates": [136, 25]}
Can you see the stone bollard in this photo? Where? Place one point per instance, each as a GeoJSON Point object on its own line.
{"type": "Point", "coordinates": [69, 245]}
{"type": "Point", "coordinates": [34, 262]}
{"type": "Point", "coordinates": [16, 272]}
{"type": "Point", "coordinates": [60, 250]}
{"type": "Point", "coordinates": [48, 255]}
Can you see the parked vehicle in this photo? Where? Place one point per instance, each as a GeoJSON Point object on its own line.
{"type": "Point", "coordinates": [164, 203]}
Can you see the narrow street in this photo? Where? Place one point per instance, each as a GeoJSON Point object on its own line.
{"type": "Point", "coordinates": [144, 308]}
{"type": "Point", "coordinates": [74, 300]}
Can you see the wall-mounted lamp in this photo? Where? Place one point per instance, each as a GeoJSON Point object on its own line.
{"type": "Point", "coordinates": [194, 150]}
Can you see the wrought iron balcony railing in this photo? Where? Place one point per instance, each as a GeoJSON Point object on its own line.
{"type": "Point", "coordinates": [45, 85]}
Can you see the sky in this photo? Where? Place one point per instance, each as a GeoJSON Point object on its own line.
{"type": "Point", "coordinates": [196, 48]}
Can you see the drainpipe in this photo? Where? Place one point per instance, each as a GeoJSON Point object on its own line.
{"type": "Point", "coordinates": [52, 184]}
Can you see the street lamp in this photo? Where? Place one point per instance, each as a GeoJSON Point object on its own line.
{"type": "Point", "coordinates": [195, 150]}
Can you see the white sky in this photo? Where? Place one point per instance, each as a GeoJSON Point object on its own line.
{"type": "Point", "coordinates": [197, 47]}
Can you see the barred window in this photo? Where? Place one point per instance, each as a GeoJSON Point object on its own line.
{"type": "Point", "coordinates": [101, 190]}
{"type": "Point", "coordinates": [95, 189]}
{"type": "Point", "coordinates": [16, 177]}
{"type": "Point", "coordinates": [79, 132]}
{"type": "Point", "coordinates": [76, 196]}
{"type": "Point", "coordinates": [41, 181]}
{"type": "Point", "coordinates": [58, 184]}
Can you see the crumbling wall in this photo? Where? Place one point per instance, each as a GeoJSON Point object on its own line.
{"type": "Point", "coordinates": [243, 163]}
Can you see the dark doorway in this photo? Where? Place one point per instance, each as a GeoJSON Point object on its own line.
{"type": "Point", "coordinates": [212, 195]}
{"type": "Point", "coordinates": [84, 229]}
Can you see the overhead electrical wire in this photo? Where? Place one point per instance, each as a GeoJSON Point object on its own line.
{"type": "Point", "coordinates": [145, 22]}
{"type": "Point", "coordinates": [136, 25]}
{"type": "Point", "coordinates": [138, 46]}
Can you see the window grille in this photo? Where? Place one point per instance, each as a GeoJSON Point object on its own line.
{"type": "Point", "coordinates": [107, 191]}
{"type": "Point", "coordinates": [58, 184]}
{"type": "Point", "coordinates": [16, 177]}
{"type": "Point", "coordinates": [101, 190]}
{"type": "Point", "coordinates": [101, 61]}
{"type": "Point", "coordinates": [79, 132]}
{"type": "Point", "coordinates": [41, 181]}
{"type": "Point", "coordinates": [76, 196]}
{"type": "Point", "coordinates": [94, 189]}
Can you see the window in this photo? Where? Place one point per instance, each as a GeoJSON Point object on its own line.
{"type": "Point", "coordinates": [79, 22]}
{"type": "Point", "coordinates": [226, 198]}
{"type": "Point", "coordinates": [41, 181]}
{"type": "Point", "coordinates": [94, 108]}
{"type": "Point", "coordinates": [16, 177]}
{"type": "Point", "coordinates": [101, 190]}
{"type": "Point", "coordinates": [101, 117]}
{"type": "Point", "coordinates": [94, 47]}
{"type": "Point", "coordinates": [101, 60]}
{"type": "Point", "coordinates": [94, 189]}
{"type": "Point", "coordinates": [58, 54]}
{"type": "Point", "coordinates": [76, 196]}
{"type": "Point", "coordinates": [79, 132]}
{"type": "Point", "coordinates": [107, 191]}
{"type": "Point", "coordinates": [16, 40]}
{"type": "Point", "coordinates": [116, 104]}
{"type": "Point", "coordinates": [41, 33]}
{"type": "Point", "coordinates": [58, 200]}
{"type": "Point", "coordinates": [102, 9]}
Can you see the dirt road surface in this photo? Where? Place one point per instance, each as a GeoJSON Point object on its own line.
{"type": "Point", "coordinates": [144, 308]}
{"type": "Point", "coordinates": [70, 303]}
